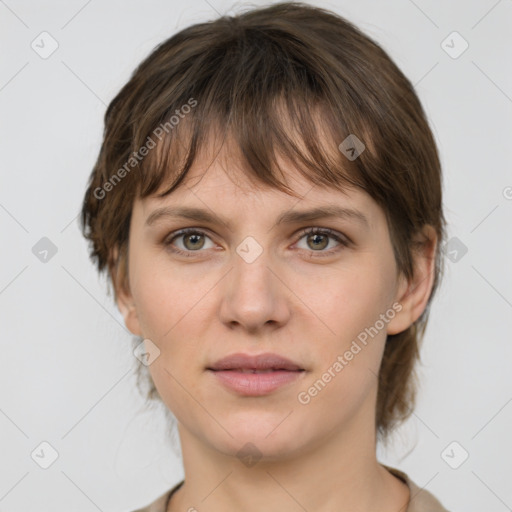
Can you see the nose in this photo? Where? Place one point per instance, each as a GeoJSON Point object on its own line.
{"type": "Point", "coordinates": [254, 295]}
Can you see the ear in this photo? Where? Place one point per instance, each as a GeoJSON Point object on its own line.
{"type": "Point", "coordinates": [413, 295]}
{"type": "Point", "coordinates": [123, 295]}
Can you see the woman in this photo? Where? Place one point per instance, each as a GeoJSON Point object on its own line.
{"type": "Point", "coordinates": [267, 203]}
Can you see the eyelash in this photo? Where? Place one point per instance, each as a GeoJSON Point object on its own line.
{"type": "Point", "coordinates": [344, 242]}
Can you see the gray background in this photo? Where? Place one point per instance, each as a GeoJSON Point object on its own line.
{"type": "Point", "coordinates": [66, 370]}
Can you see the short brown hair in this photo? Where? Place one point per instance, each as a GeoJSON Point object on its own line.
{"type": "Point", "coordinates": [253, 76]}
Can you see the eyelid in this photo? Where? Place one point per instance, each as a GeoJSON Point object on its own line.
{"type": "Point", "coordinates": [341, 237]}
{"type": "Point", "coordinates": [343, 241]}
{"type": "Point", "coordinates": [170, 237]}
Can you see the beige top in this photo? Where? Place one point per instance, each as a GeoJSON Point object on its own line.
{"type": "Point", "coordinates": [420, 501]}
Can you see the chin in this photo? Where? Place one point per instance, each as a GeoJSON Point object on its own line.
{"type": "Point", "coordinates": [266, 438]}
{"type": "Point", "coordinates": [250, 450]}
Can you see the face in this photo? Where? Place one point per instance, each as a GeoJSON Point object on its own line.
{"type": "Point", "coordinates": [242, 282]}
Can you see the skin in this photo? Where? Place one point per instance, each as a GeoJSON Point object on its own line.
{"type": "Point", "coordinates": [320, 456]}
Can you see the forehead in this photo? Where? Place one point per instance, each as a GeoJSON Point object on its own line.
{"type": "Point", "coordinates": [223, 188]}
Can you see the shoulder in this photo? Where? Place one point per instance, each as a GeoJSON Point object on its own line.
{"type": "Point", "coordinates": [421, 500]}
{"type": "Point", "coordinates": [160, 504]}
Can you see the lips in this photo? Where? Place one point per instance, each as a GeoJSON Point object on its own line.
{"type": "Point", "coordinates": [256, 376]}
{"type": "Point", "coordinates": [261, 363]}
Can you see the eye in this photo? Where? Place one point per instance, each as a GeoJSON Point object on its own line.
{"type": "Point", "coordinates": [317, 239]}
{"type": "Point", "coordinates": [192, 240]}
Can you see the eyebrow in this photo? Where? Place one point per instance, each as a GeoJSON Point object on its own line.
{"type": "Point", "coordinates": [288, 217]}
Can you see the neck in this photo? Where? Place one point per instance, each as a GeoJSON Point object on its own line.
{"type": "Point", "coordinates": [339, 472]}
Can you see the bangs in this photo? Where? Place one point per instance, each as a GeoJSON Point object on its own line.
{"type": "Point", "coordinates": [272, 108]}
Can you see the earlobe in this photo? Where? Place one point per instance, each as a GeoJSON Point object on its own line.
{"type": "Point", "coordinates": [129, 312]}
{"type": "Point", "coordinates": [402, 319]}
{"type": "Point", "coordinates": [123, 307]}
{"type": "Point", "coordinates": [123, 295]}
{"type": "Point", "coordinates": [413, 295]}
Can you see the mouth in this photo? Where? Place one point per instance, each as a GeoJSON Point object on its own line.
{"type": "Point", "coordinates": [258, 375]}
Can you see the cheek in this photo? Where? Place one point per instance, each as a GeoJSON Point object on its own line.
{"type": "Point", "coordinates": [166, 297]}
{"type": "Point", "coordinates": [348, 356]}
{"type": "Point", "coordinates": [171, 312]}
{"type": "Point", "coordinates": [349, 302]}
